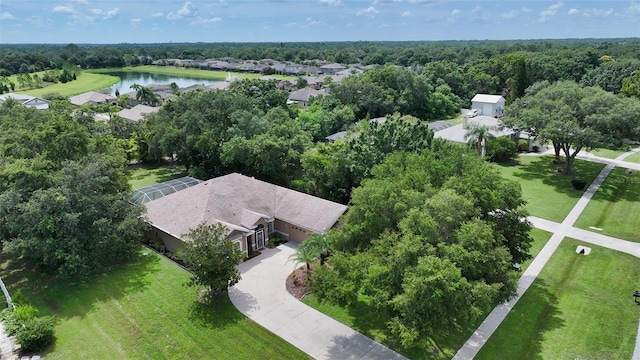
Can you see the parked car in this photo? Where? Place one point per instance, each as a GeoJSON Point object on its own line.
{"type": "Point", "coordinates": [472, 113]}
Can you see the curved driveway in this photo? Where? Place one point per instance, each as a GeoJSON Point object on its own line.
{"type": "Point", "coordinates": [263, 297]}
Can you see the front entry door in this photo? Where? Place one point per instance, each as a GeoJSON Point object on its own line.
{"type": "Point", "coordinates": [260, 238]}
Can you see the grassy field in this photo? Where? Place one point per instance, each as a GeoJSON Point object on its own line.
{"type": "Point", "coordinates": [142, 311]}
{"type": "Point", "coordinates": [187, 72]}
{"type": "Point", "coordinates": [608, 153]}
{"type": "Point", "coordinates": [580, 307]}
{"type": "Point", "coordinates": [365, 319]}
{"type": "Point", "coordinates": [141, 175]}
{"type": "Point", "coordinates": [614, 208]}
{"type": "Point", "coordinates": [85, 82]}
{"type": "Point", "coordinates": [455, 121]}
{"type": "Point", "coordinates": [635, 158]}
{"type": "Point", "coordinates": [549, 195]}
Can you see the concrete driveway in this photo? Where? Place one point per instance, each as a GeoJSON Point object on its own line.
{"type": "Point", "coordinates": [262, 296]}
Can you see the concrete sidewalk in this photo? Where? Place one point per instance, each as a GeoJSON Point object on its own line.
{"type": "Point", "coordinates": [262, 296]}
{"type": "Point", "coordinates": [473, 345]}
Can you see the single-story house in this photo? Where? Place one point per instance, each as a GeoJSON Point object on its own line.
{"type": "Point", "coordinates": [93, 97]}
{"type": "Point", "coordinates": [302, 96]}
{"type": "Point", "coordinates": [331, 69]}
{"type": "Point", "coordinates": [137, 112]}
{"type": "Point", "coordinates": [457, 133]}
{"type": "Point", "coordinates": [251, 210]}
{"type": "Point", "coordinates": [489, 105]}
{"type": "Point", "coordinates": [26, 100]}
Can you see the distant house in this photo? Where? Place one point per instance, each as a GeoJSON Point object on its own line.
{"type": "Point", "coordinates": [93, 97]}
{"type": "Point", "coordinates": [457, 133]}
{"type": "Point", "coordinates": [489, 105]}
{"type": "Point", "coordinates": [137, 112]}
{"type": "Point", "coordinates": [251, 210]}
{"type": "Point", "coordinates": [26, 100]}
{"type": "Point", "coordinates": [331, 69]}
{"type": "Point", "coordinates": [302, 96]}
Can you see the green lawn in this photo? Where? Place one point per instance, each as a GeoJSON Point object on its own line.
{"type": "Point", "coordinates": [580, 307]}
{"type": "Point", "coordinates": [188, 72]}
{"type": "Point", "coordinates": [540, 238]}
{"type": "Point", "coordinates": [614, 208]}
{"type": "Point", "coordinates": [609, 153]}
{"type": "Point", "coordinates": [635, 158]}
{"type": "Point", "coordinates": [365, 319]}
{"type": "Point", "coordinates": [142, 311]}
{"type": "Point", "coordinates": [549, 195]}
{"type": "Point", "coordinates": [85, 82]}
{"type": "Point", "coordinates": [455, 121]}
{"type": "Point", "coordinates": [141, 175]}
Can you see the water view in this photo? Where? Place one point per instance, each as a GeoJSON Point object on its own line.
{"type": "Point", "coordinates": [129, 78]}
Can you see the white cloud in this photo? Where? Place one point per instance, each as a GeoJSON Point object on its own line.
{"type": "Point", "coordinates": [188, 10]}
{"type": "Point", "coordinates": [526, 10]}
{"type": "Point", "coordinates": [456, 12]}
{"type": "Point", "coordinates": [376, 2]}
{"type": "Point", "coordinates": [333, 3]}
{"type": "Point", "coordinates": [290, 24]}
{"type": "Point", "coordinates": [633, 10]}
{"type": "Point", "coordinates": [407, 14]}
{"type": "Point", "coordinates": [203, 21]}
{"type": "Point", "coordinates": [550, 12]}
{"type": "Point", "coordinates": [573, 11]}
{"type": "Point", "coordinates": [7, 16]}
{"type": "Point", "coordinates": [267, 27]}
{"type": "Point", "coordinates": [509, 15]}
{"type": "Point", "coordinates": [158, 14]}
{"type": "Point", "coordinates": [82, 2]}
{"type": "Point", "coordinates": [135, 21]}
{"type": "Point", "coordinates": [313, 22]}
{"type": "Point", "coordinates": [421, 2]}
{"type": "Point", "coordinates": [106, 14]}
{"type": "Point", "coordinates": [476, 10]}
{"type": "Point", "coordinates": [369, 12]}
{"type": "Point", "coordinates": [63, 9]}
{"type": "Point", "coordinates": [590, 13]}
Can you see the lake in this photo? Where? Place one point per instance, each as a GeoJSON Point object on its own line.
{"type": "Point", "coordinates": [142, 78]}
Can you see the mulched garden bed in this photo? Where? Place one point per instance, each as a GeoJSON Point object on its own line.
{"type": "Point", "coordinates": [297, 283]}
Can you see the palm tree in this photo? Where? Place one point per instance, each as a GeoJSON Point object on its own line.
{"type": "Point", "coordinates": [144, 95]}
{"type": "Point", "coordinates": [479, 138]}
{"type": "Point", "coordinates": [319, 243]}
{"type": "Point", "coordinates": [304, 254]}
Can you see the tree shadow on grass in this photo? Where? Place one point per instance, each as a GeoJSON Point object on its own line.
{"type": "Point", "coordinates": [215, 312]}
{"type": "Point", "coordinates": [543, 168]}
{"type": "Point", "coordinates": [77, 297]}
{"type": "Point", "coordinates": [524, 331]}
{"type": "Point", "coordinates": [163, 170]}
{"type": "Point", "coordinates": [619, 185]}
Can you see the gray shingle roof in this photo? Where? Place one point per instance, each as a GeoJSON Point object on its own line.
{"type": "Point", "coordinates": [239, 200]}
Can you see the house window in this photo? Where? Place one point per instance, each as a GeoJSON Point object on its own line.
{"type": "Point", "coordinates": [270, 228]}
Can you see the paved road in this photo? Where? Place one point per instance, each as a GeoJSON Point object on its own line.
{"type": "Point", "coordinates": [262, 296]}
{"type": "Point", "coordinates": [473, 345]}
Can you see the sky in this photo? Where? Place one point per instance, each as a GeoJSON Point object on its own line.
{"type": "Point", "coordinates": [157, 21]}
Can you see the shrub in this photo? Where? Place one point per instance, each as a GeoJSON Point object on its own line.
{"type": "Point", "coordinates": [578, 184]}
{"type": "Point", "coordinates": [502, 149]}
{"type": "Point", "coordinates": [19, 298]}
{"type": "Point", "coordinates": [25, 312]}
{"type": "Point", "coordinates": [523, 145]}
{"type": "Point", "coordinates": [11, 324]}
{"type": "Point", "coordinates": [36, 334]}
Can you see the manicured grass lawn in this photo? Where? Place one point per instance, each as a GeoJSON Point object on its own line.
{"type": "Point", "coordinates": [615, 207]}
{"type": "Point", "coordinates": [580, 307]}
{"type": "Point", "coordinates": [367, 320]}
{"type": "Point", "coordinates": [179, 71]}
{"type": "Point", "coordinates": [142, 311]}
{"type": "Point", "coordinates": [85, 82]}
{"type": "Point", "coordinates": [540, 238]}
{"type": "Point", "coordinates": [608, 153]}
{"type": "Point", "coordinates": [549, 195]}
{"type": "Point", "coordinates": [141, 175]}
{"type": "Point", "coordinates": [635, 158]}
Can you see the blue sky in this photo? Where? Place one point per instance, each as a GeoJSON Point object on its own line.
{"type": "Point", "coordinates": [146, 21]}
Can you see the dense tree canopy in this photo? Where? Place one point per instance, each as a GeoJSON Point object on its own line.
{"type": "Point", "coordinates": [431, 239]}
{"type": "Point", "coordinates": [573, 118]}
{"type": "Point", "coordinates": [63, 192]}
